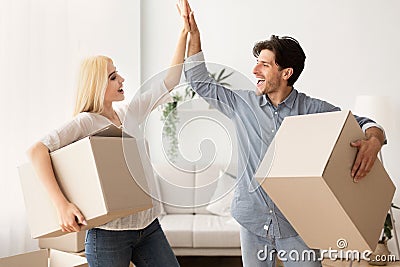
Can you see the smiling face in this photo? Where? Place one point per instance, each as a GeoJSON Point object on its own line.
{"type": "Point", "coordinates": [269, 75]}
{"type": "Point", "coordinates": [114, 91]}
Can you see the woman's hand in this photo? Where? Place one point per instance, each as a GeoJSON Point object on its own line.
{"type": "Point", "coordinates": [182, 7]}
{"type": "Point", "coordinates": [70, 218]}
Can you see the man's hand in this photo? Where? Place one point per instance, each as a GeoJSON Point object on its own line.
{"type": "Point", "coordinates": [367, 152]}
{"type": "Point", "coordinates": [192, 22]}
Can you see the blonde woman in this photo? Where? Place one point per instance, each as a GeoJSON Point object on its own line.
{"type": "Point", "coordinates": [139, 237]}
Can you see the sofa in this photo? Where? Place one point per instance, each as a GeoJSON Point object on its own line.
{"type": "Point", "coordinates": [196, 209]}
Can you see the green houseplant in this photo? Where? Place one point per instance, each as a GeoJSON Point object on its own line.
{"type": "Point", "coordinates": [170, 116]}
{"type": "Point", "coordinates": [382, 248]}
{"type": "Point", "coordinates": [387, 228]}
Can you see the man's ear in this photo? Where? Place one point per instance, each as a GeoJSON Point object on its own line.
{"type": "Point", "coordinates": [287, 73]}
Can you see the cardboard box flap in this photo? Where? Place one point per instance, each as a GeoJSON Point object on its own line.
{"type": "Point", "coordinates": [306, 160]}
{"type": "Point", "coordinates": [350, 195]}
{"type": "Point", "coordinates": [110, 131]}
{"type": "Point", "coordinates": [64, 259]}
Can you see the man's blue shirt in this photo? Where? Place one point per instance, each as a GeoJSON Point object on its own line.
{"type": "Point", "coordinates": [256, 120]}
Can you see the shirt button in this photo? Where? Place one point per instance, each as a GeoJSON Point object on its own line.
{"type": "Point", "coordinates": [273, 130]}
{"type": "Point", "coordinates": [270, 211]}
{"type": "Point", "coordinates": [266, 227]}
{"type": "Point", "coordinates": [276, 112]}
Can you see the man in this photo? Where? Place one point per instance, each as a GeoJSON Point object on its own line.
{"type": "Point", "coordinates": [257, 117]}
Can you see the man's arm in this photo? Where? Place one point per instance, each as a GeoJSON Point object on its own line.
{"type": "Point", "coordinates": [368, 150]}
{"type": "Point", "coordinates": [194, 46]}
{"type": "Point", "coordinates": [197, 74]}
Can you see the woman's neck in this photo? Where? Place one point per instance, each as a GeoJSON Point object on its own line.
{"type": "Point", "coordinates": [110, 114]}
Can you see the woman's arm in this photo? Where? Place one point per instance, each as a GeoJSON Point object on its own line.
{"type": "Point", "coordinates": [67, 212]}
{"type": "Point", "coordinates": [174, 73]}
{"type": "Point", "coordinates": [141, 105]}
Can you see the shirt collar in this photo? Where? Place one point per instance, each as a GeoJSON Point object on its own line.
{"type": "Point", "coordinates": [289, 101]}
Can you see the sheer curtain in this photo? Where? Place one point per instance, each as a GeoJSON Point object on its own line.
{"type": "Point", "coordinates": [42, 43]}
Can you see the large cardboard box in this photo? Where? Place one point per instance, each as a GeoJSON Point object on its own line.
{"type": "Point", "coordinates": [72, 242]}
{"type": "Point", "coordinates": [94, 174]}
{"type": "Point", "coordinates": [42, 258]}
{"type": "Point", "coordinates": [37, 258]}
{"type": "Point", "coordinates": [308, 175]}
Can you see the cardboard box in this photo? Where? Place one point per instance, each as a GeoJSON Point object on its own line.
{"type": "Point", "coordinates": [72, 242]}
{"type": "Point", "coordinates": [308, 176]}
{"type": "Point", "coordinates": [94, 174]}
{"type": "Point", "coordinates": [44, 258]}
{"type": "Point", "coordinates": [63, 259]}
{"type": "Point", "coordinates": [37, 258]}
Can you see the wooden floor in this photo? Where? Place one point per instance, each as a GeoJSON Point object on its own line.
{"type": "Point", "coordinates": [328, 263]}
{"type": "Point", "coordinates": [199, 261]}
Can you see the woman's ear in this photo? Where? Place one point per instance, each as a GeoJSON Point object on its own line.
{"type": "Point", "coordinates": [286, 73]}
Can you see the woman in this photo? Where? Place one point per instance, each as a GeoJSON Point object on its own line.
{"type": "Point", "coordinates": [138, 237]}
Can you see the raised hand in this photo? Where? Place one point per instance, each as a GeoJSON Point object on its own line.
{"type": "Point", "coordinates": [186, 13]}
{"type": "Point", "coordinates": [183, 12]}
{"type": "Point", "coordinates": [192, 21]}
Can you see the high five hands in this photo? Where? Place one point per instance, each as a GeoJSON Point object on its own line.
{"type": "Point", "coordinates": [187, 15]}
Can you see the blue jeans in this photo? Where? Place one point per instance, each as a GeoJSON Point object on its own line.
{"type": "Point", "coordinates": [146, 247]}
{"type": "Point", "coordinates": [260, 251]}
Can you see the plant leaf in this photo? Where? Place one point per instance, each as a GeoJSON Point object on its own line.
{"type": "Point", "coordinates": [394, 206]}
{"type": "Point", "coordinates": [220, 74]}
{"type": "Point", "coordinates": [226, 76]}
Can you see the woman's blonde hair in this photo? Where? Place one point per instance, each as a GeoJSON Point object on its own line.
{"type": "Point", "coordinates": [92, 85]}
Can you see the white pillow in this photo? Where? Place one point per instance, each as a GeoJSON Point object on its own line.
{"type": "Point", "coordinates": [220, 203]}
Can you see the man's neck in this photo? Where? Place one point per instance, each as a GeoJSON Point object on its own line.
{"type": "Point", "coordinates": [279, 96]}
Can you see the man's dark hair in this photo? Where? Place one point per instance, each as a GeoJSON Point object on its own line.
{"type": "Point", "coordinates": [288, 54]}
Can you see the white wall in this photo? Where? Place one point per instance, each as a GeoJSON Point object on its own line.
{"type": "Point", "coordinates": [352, 47]}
